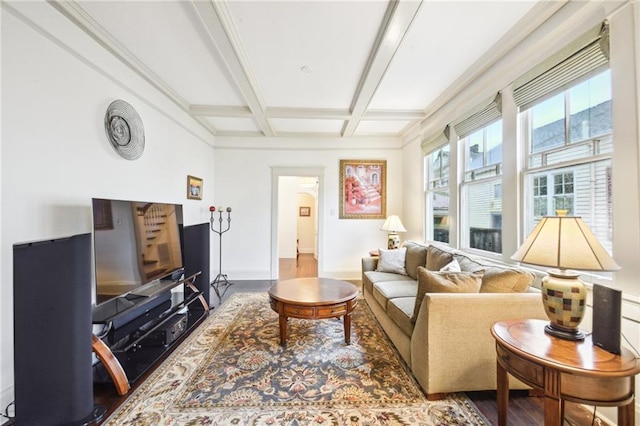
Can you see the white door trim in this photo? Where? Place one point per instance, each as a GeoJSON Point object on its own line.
{"type": "Point", "coordinates": [276, 172]}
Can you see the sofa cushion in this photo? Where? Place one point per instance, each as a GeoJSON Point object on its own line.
{"type": "Point", "coordinates": [376, 277]}
{"type": "Point", "coordinates": [445, 282]}
{"type": "Point", "coordinates": [437, 258]}
{"type": "Point", "coordinates": [392, 261]}
{"type": "Point", "coordinates": [386, 290]}
{"type": "Point", "coordinates": [498, 279]}
{"type": "Point", "coordinates": [400, 311]}
{"type": "Point", "coordinates": [416, 256]}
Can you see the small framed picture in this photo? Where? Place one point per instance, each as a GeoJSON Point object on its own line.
{"type": "Point", "coordinates": [194, 188]}
{"type": "Point", "coordinates": [305, 211]}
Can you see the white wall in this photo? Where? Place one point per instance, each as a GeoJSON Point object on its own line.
{"type": "Point", "coordinates": [306, 224]}
{"type": "Point", "coordinates": [54, 152]}
{"type": "Point", "coordinates": [287, 216]}
{"type": "Point", "coordinates": [243, 178]}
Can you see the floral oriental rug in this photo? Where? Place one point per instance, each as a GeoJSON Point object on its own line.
{"type": "Point", "coordinates": [232, 371]}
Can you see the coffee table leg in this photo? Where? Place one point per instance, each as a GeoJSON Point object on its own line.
{"type": "Point", "coordinates": [347, 329]}
{"type": "Point", "coordinates": [283, 329]}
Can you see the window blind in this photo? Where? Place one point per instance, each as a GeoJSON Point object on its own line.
{"type": "Point", "coordinates": [589, 58]}
{"type": "Point", "coordinates": [479, 119]}
{"type": "Point", "coordinates": [435, 141]}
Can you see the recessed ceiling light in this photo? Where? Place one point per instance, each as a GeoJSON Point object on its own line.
{"type": "Point", "coordinates": [305, 69]}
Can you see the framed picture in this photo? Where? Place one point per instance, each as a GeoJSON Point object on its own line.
{"type": "Point", "coordinates": [305, 211]}
{"type": "Point", "coordinates": [363, 189]}
{"type": "Point", "coordinates": [194, 188]}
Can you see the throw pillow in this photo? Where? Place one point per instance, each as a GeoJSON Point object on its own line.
{"type": "Point", "coordinates": [437, 258]}
{"type": "Point", "coordinates": [392, 261]}
{"type": "Point", "coordinates": [498, 279]}
{"type": "Point", "coordinates": [452, 266]}
{"type": "Point", "coordinates": [445, 282]}
{"type": "Point", "coordinates": [416, 256]}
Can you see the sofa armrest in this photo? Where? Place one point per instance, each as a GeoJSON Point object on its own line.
{"type": "Point", "coordinates": [452, 348]}
{"type": "Point", "coordinates": [369, 263]}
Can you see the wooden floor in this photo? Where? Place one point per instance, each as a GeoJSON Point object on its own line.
{"type": "Point", "coordinates": [524, 410]}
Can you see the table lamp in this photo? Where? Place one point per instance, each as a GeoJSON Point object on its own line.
{"type": "Point", "coordinates": [393, 225]}
{"type": "Point", "coordinates": [564, 243]}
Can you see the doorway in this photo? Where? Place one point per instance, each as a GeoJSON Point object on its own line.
{"type": "Point", "coordinates": [296, 243]}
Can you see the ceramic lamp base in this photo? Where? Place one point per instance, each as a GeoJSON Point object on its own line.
{"type": "Point", "coordinates": [564, 298]}
{"type": "Point", "coordinates": [393, 242]}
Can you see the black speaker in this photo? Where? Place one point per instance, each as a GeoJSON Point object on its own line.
{"type": "Point", "coordinates": [607, 314]}
{"type": "Point", "coordinates": [197, 257]}
{"type": "Point", "coordinates": [52, 332]}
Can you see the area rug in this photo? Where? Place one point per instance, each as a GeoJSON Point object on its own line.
{"type": "Point", "coordinates": [232, 371]}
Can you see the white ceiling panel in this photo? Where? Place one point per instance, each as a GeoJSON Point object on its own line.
{"type": "Point", "coordinates": [224, 124]}
{"type": "Point", "coordinates": [444, 40]}
{"type": "Point", "coordinates": [290, 67]}
{"type": "Point", "coordinates": [291, 125]}
{"type": "Point", "coordinates": [167, 38]}
{"type": "Point", "coordinates": [308, 53]}
{"type": "Point", "coordinates": [369, 127]}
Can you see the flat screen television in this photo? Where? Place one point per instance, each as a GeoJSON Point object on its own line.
{"type": "Point", "coordinates": [137, 248]}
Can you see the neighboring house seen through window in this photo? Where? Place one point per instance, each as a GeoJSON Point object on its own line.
{"type": "Point", "coordinates": [437, 191]}
{"type": "Point", "coordinates": [569, 156]}
{"type": "Point", "coordinates": [482, 189]}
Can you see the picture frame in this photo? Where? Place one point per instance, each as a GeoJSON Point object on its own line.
{"type": "Point", "coordinates": [194, 188]}
{"type": "Point", "coordinates": [305, 211]}
{"type": "Point", "coordinates": [363, 189]}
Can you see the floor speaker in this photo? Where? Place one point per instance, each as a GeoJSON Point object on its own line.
{"type": "Point", "coordinates": [607, 314]}
{"type": "Point", "coordinates": [52, 332]}
{"type": "Point", "coordinates": [197, 257]}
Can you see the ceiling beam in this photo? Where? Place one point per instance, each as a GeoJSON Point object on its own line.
{"type": "Point", "coordinates": [392, 115]}
{"type": "Point", "coordinates": [76, 14]}
{"type": "Point", "coordinates": [220, 111]}
{"type": "Point", "coordinates": [304, 113]}
{"type": "Point", "coordinates": [397, 22]}
{"type": "Point", "coordinates": [219, 25]}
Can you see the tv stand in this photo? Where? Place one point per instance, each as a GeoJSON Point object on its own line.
{"type": "Point", "coordinates": [139, 331]}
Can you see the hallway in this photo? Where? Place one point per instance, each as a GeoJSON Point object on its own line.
{"type": "Point", "coordinates": [305, 266]}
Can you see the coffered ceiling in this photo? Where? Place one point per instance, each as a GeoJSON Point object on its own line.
{"type": "Point", "coordinates": [306, 68]}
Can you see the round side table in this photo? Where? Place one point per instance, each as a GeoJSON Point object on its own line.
{"type": "Point", "coordinates": [564, 370]}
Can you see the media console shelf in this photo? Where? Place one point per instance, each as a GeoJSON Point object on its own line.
{"type": "Point", "coordinates": [139, 331]}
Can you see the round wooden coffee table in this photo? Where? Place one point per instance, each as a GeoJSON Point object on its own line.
{"type": "Point", "coordinates": [313, 298]}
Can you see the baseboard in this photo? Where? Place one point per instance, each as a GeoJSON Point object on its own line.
{"type": "Point", "coordinates": [341, 275]}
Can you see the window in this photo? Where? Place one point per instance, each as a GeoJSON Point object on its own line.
{"type": "Point", "coordinates": [437, 191]}
{"type": "Point", "coordinates": [560, 197]}
{"type": "Point", "coordinates": [482, 189]}
{"type": "Point", "coordinates": [569, 156]}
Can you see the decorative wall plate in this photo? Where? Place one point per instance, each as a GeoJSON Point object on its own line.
{"type": "Point", "coordinates": [124, 129]}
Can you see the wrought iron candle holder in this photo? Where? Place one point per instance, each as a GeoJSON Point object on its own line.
{"type": "Point", "coordinates": [221, 279]}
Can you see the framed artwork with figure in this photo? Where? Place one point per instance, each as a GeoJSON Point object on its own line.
{"type": "Point", "coordinates": [363, 189]}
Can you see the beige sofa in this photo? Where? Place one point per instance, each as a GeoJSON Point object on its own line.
{"type": "Point", "coordinates": [445, 339]}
